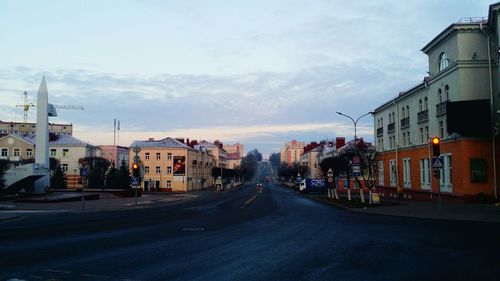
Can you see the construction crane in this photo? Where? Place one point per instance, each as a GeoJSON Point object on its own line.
{"type": "Point", "coordinates": [52, 109]}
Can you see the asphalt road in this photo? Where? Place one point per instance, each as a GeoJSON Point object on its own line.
{"type": "Point", "coordinates": [245, 235]}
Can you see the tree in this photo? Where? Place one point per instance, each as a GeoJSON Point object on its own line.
{"type": "Point", "coordinates": [112, 178]}
{"type": "Point", "coordinates": [124, 175]}
{"type": "Point", "coordinates": [257, 154]}
{"type": "Point", "coordinates": [275, 161]}
{"type": "Point", "coordinates": [96, 168]}
{"type": "Point", "coordinates": [248, 166]}
{"type": "Point", "coordinates": [4, 166]}
{"type": "Point", "coordinates": [58, 178]}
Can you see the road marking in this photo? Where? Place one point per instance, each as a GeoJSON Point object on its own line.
{"type": "Point", "coordinates": [193, 229]}
{"type": "Point", "coordinates": [251, 199]}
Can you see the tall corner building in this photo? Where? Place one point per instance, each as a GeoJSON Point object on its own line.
{"type": "Point", "coordinates": [459, 103]}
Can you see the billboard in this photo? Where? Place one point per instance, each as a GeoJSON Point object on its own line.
{"type": "Point", "coordinates": [179, 165]}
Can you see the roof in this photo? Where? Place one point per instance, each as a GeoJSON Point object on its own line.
{"type": "Point", "coordinates": [449, 31]}
{"type": "Point", "coordinates": [166, 142]}
{"type": "Point", "coordinates": [53, 139]}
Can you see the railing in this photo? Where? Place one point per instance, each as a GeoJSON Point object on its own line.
{"type": "Point", "coordinates": [405, 123]}
{"type": "Point", "coordinates": [391, 128]}
{"type": "Point", "coordinates": [423, 116]}
{"type": "Point", "coordinates": [441, 108]}
{"type": "Point", "coordinates": [380, 131]}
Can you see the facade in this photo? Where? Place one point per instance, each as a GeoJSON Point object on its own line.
{"type": "Point", "coordinates": [170, 165]}
{"type": "Point", "coordinates": [30, 128]}
{"type": "Point", "coordinates": [291, 152]}
{"type": "Point", "coordinates": [217, 150]}
{"type": "Point", "coordinates": [115, 154]}
{"type": "Point", "coordinates": [461, 89]}
{"type": "Point", "coordinates": [65, 148]}
{"type": "Point", "coordinates": [235, 148]}
{"type": "Point", "coordinates": [310, 160]}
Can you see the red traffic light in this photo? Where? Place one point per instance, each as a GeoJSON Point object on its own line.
{"type": "Point", "coordinates": [435, 140]}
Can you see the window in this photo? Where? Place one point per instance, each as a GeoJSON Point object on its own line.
{"type": "Point", "coordinates": [17, 152]}
{"type": "Point", "coordinates": [425, 103]}
{"type": "Point", "coordinates": [408, 111]}
{"type": "Point", "coordinates": [157, 184]}
{"type": "Point", "coordinates": [158, 169]}
{"type": "Point", "coordinates": [169, 170]}
{"type": "Point", "coordinates": [478, 170]}
{"type": "Point", "coordinates": [29, 152]}
{"type": "Point", "coordinates": [169, 184]}
{"type": "Point", "coordinates": [446, 92]}
{"type": "Point", "coordinates": [426, 133]}
{"type": "Point", "coordinates": [408, 138]}
{"type": "Point", "coordinates": [440, 96]}
{"type": "Point", "coordinates": [404, 139]}
{"type": "Point", "coordinates": [52, 153]}
{"type": "Point", "coordinates": [146, 156]}
{"type": "Point", "coordinates": [158, 157]}
{"type": "Point", "coordinates": [441, 129]}
{"type": "Point", "coordinates": [146, 169]}
{"type": "Point", "coordinates": [406, 173]}
{"type": "Point", "coordinates": [420, 108]}
{"type": "Point", "coordinates": [403, 110]}
{"type": "Point", "coordinates": [443, 61]}
{"type": "Point", "coordinates": [64, 167]}
{"type": "Point", "coordinates": [446, 175]}
{"type": "Point", "coordinates": [5, 152]}
{"type": "Point", "coordinates": [421, 135]}
{"type": "Point", "coordinates": [425, 174]}
{"type": "Point", "coordinates": [392, 166]}
{"type": "Point", "coordinates": [381, 172]}
{"type": "Point", "coordinates": [65, 152]}
{"type": "Point", "coordinates": [169, 156]}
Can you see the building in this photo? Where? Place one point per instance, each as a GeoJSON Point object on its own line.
{"type": "Point", "coordinates": [217, 150]}
{"type": "Point", "coordinates": [20, 148]}
{"type": "Point", "coordinates": [30, 128]}
{"type": "Point", "coordinates": [115, 154]}
{"type": "Point", "coordinates": [235, 148]}
{"type": "Point", "coordinates": [454, 102]}
{"type": "Point", "coordinates": [315, 152]}
{"type": "Point", "coordinates": [291, 152]}
{"type": "Point", "coordinates": [171, 165]}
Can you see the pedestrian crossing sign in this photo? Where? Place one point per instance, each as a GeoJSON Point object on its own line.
{"type": "Point", "coordinates": [437, 162]}
{"type": "Point", "coordinates": [134, 182]}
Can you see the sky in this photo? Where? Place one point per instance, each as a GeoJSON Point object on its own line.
{"type": "Point", "coordinates": [259, 72]}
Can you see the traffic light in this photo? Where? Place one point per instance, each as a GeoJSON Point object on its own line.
{"type": "Point", "coordinates": [135, 170]}
{"type": "Point", "coordinates": [435, 146]}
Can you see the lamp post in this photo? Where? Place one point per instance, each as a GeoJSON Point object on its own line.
{"type": "Point", "coordinates": [355, 124]}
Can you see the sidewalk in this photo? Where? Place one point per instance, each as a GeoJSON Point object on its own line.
{"type": "Point", "coordinates": [10, 210]}
{"type": "Point", "coordinates": [422, 209]}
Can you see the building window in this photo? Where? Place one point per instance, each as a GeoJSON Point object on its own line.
{"type": "Point", "coordinates": [381, 173]}
{"type": "Point", "coordinates": [169, 170]}
{"type": "Point", "coordinates": [446, 92]}
{"type": "Point", "coordinates": [408, 141]}
{"type": "Point", "coordinates": [404, 139]}
{"type": "Point", "coordinates": [420, 108]}
{"type": "Point", "coordinates": [158, 169]}
{"type": "Point", "coordinates": [169, 156]}
{"type": "Point", "coordinates": [440, 96]}
{"type": "Point", "coordinates": [146, 169]}
{"type": "Point", "coordinates": [426, 132]}
{"type": "Point", "coordinates": [17, 152]}
{"type": "Point", "coordinates": [404, 114]}
{"type": "Point", "coordinates": [5, 152]}
{"type": "Point", "coordinates": [64, 167]}
{"type": "Point", "coordinates": [425, 103]}
{"type": "Point", "coordinates": [478, 170]}
{"type": "Point", "coordinates": [158, 184]}
{"type": "Point", "coordinates": [407, 111]}
{"type": "Point", "coordinates": [52, 153]}
{"type": "Point", "coordinates": [446, 175]}
{"type": "Point", "coordinates": [441, 129]}
{"type": "Point", "coordinates": [425, 174]}
{"type": "Point", "coordinates": [169, 184]}
{"type": "Point", "coordinates": [392, 166]}
{"type": "Point", "coordinates": [29, 152]}
{"type": "Point", "coordinates": [443, 61]}
{"type": "Point", "coordinates": [146, 156]}
{"type": "Point", "coordinates": [406, 172]}
{"type": "Point", "coordinates": [421, 135]}
{"type": "Point", "coordinates": [158, 157]}
{"type": "Point", "coordinates": [65, 152]}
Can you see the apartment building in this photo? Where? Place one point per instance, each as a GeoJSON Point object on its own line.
{"type": "Point", "coordinates": [236, 150]}
{"type": "Point", "coordinates": [291, 152]}
{"type": "Point", "coordinates": [457, 102]}
{"type": "Point", "coordinates": [30, 128]}
{"type": "Point", "coordinates": [171, 165]}
{"type": "Point", "coordinates": [115, 154]}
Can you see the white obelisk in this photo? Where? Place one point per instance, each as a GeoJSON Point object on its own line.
{"type": "Point", "coordinates": [42, 138]}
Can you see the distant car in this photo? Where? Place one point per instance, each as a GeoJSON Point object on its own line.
{"type": "Point", "coordinates": [268, 179]}
{"type": "Point", "coordinates": [259, 185]}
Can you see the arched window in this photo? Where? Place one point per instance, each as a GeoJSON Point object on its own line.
{"type": "Point", "coordinates": [446, 92]}
{"type": "Point", "coordinates": [425, 103]}
{"type": "Point", "coordinates": [420, 105]}
{"type": "Point", "coordinates": [440, 96]}
{"type": "Point", "coordinates": [408, 111]}
{"type": "Point", "coordinates": [443, 61]}
{"type": "Point", "coordinates": [404, 112]}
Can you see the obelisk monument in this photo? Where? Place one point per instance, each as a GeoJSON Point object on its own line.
{"type": "Point", "coordinates": [42, 138]}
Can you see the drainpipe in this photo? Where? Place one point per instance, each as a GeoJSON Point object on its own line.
{"type": "Point", "coordinates": [492, 109]}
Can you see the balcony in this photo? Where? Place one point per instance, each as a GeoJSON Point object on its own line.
{"type": "Point", "coordinates": [391, 128]}
{"type": "Point", "coordinates": [380, 131]}
{"type": "Point", "coordinates": [441, 108]}
{"type": "Point", "coordinates": [423, 116]}
{"type": "Point", "coordinates": [405, 123]}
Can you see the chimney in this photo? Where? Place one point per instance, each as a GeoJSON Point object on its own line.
{"type": "Point", "coordinates": [339, 142]}
{"type": "Point", "coordinates": [151, 139]}
{"type": "Point", "coordinates": [180, 139]}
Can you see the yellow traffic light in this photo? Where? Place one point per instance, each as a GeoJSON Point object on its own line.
{"type": "Point", "coordinates": [435, 146]}
{"type": "Point", "coordinates": [435, 140]}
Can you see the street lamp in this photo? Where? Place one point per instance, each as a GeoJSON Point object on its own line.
{"type": "Point", "coordinates": [355, 123]}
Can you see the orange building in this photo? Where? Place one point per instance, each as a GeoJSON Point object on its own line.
{"type": "Point", "coordinates": [458, 103]}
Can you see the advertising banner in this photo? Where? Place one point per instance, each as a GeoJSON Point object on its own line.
{"type": "Point", "coordinates": [179, 166]}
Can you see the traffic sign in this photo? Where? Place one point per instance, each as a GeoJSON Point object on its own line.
{"type": "Point", "coordinates": [134, 182]}
{"type": "Point", "coordinates": [356, 160]}
{"type": "Point", "coordinates": [356, 170]}
{"type": "Point", "coordinates": [330, 179]}
{"type": "Point", "coordinates": [437, 162]}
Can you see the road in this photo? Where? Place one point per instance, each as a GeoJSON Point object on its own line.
{"type": "Point", "coordinates": [244, 235]}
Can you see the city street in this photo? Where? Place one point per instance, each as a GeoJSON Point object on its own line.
{"type": "Point", "coordinates": [244, 235]}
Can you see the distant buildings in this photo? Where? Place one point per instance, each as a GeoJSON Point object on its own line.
{"type": "Point", "coordinates": [115, 154]}
{"type": "Point", "coordinates": [30, 128]}
{"type": "Point", "coordinates": [291, 152]}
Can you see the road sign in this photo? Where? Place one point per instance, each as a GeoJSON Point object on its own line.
{"type": "Point", "coordinates": [356, 170]}
{"type": "Point", "coordinates": [330, 179]}
{"type": "Point", "coordinates": [134, 182]}
{"type": "Point", "coordinates": [84, 172]}
{"type": "Point", "coordinates": [437, 162]}
{"type": "Point", "coordinates": [356, 160]}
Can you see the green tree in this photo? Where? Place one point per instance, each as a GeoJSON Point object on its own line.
{"type": "Point", "coordinates": [4, 166]}
{"type": "Point", "coordinates": [256, 154]}
{"type": "Point", "coordinates": [124, 175]}
{"type": "Point", "coordinates": [275, 161]}
{"type": "Point", "coordinates": [113, 178]}
{"type": "Point", "coordinates": [96, 168]}
{"type": "Point", "coordinates": [58, 178]}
